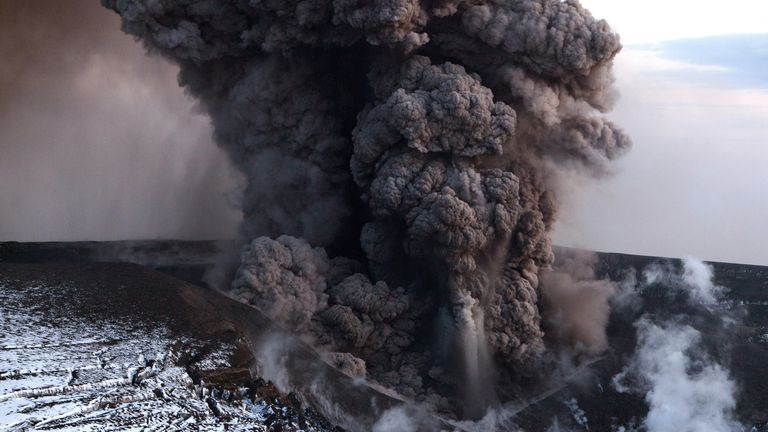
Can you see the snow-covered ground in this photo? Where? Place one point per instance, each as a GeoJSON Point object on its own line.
{"type": "Point", "coordinates": [63, 370]}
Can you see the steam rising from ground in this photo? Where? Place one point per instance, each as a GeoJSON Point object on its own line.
{"type": "Point", "coordinates": [402, 159]}
{"type": "Point", "coordinates": [696, 279]}
{"type": "Point", "coordinates": [686, 389]}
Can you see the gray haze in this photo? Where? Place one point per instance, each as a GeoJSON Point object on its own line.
{"type": "Point", "coordinates": [698, 113]}
{"type": "Point", "coordinates": [97, 141]}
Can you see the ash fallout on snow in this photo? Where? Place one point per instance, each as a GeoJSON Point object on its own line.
{"type": "Point", "coordinates": [402, 160]}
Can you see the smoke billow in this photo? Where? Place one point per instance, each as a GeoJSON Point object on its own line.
{"type": "Point", "coordinates": [579, 304]}
{"type": "Point", "coordinates": [696, 279]}
{"type": "Point", "coordinates": [402, 159]}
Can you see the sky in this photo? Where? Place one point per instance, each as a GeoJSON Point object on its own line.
{"type": "Point", "coordinates": [75, 93]}
{"type": "Point", "coordinates": [649, 21]}
{"type": "Point", "coordinates": [696, 107]}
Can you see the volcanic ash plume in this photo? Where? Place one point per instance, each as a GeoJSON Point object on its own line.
{"type": "Point", "coordinates": [402, 159]}
{"type": "Point", "coordinates": [579, 303]}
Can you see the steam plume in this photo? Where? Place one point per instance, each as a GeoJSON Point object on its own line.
{"type": "Point", "coordinates": [685, 391]}
{"type": "Point", "coordinates": [419, 138]}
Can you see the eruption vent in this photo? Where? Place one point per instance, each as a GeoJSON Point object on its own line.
{"type": "Point", "coordinates": [401, 158]}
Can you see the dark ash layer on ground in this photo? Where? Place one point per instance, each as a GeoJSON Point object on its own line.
{"type": "Point", "coordinates": [111, 346]}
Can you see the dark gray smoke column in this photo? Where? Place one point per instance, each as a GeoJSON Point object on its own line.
{"type": "Point", "coordinates": [432, 131]}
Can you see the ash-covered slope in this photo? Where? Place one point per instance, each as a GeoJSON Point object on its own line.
{"type": "Point", "coordinates": [184, 259]}
{"type": "Point", "coordinates": [87, 346]}
{"type": "Point", "coordinates": [727, 332]}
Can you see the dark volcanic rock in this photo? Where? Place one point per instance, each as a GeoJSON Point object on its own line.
{"type": "Point", "coordinates": [187, 260]}
{"type": "Point", "coordinates": [67, 322]}
{"type": "Point", "coordinates": [112, 346]}
{"type": "Point", "coordinates": [589, 401]}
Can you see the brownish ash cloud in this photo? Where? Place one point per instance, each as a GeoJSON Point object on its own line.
{"type": "Point", "coordinates": [96, 139]}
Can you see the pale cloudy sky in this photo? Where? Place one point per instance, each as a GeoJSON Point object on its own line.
{"type": "Point", "coordinates": [696, 182]}
{"type": "Point", "coordinates": [643, 21]}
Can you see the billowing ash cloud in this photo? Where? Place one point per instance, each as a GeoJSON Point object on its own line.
{"type": "Point", "coordinates": [419, 138]}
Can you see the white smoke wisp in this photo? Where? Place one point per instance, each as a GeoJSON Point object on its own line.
{"type": "Point", "coordinates": [497, 418]}
{"type": "Point", "coordinates": [695, 278]}
{"type": "Point", "coordinates": [272, 352]}
{"type": "Point", "coordinates": [686, 392]}
{"type": "Point", "coordinates": [395, 420]}
{"type": "Point", "coordinates": [555, 427]}
{"type": "Point", "coordinates": [699, 277]}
